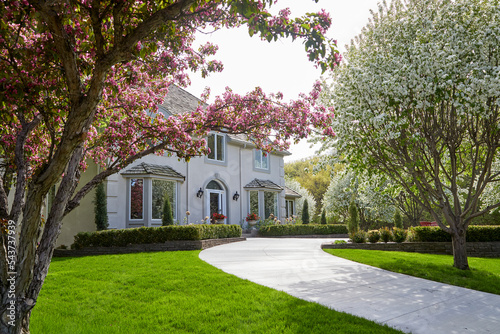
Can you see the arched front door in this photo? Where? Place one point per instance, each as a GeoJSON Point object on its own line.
{"type": "Point", "coordinates": [216, 199]}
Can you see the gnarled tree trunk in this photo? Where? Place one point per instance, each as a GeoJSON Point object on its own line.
{"type": "Point", "coordinates": [459, 249]}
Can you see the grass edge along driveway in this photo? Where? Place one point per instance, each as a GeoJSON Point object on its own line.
{"type": "Point", "coordinates": [483, 276]}
{"type": "Point", "coordinates": [173, 292]}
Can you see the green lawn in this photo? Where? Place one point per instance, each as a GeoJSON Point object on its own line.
{"type": "Point", "coordinates": [173, 292]}
{"type": "Point", "coordinates": [483, 276]}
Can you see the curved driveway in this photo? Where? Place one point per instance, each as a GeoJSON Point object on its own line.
{"type": "Point", "coordinates": [300, 268]}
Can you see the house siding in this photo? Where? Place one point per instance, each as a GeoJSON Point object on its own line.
{"type": "Point", "coordinates": [233, 176]}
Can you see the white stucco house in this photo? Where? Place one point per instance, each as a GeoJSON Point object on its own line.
{"type": "Point", "coordinates": [235, 179]}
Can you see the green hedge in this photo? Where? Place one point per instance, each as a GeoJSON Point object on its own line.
{"type": "Point", "coordinates": [475, 233]}
{"type": "Point", "coordinates": [152, 235]}
{"type": "Point", "coordinates": [309, 229]}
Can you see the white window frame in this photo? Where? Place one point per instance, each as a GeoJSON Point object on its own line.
{"type": "Point", "coordinates": [130, 198]}
{"type": "Point", "coordinates": [261, 203]}
{"type": "Point", "coordinates": [174, 210]}
{"type": "Point", "coordinates": [216, 148]}
{"type": "Point", "coordinates": [258, 158]}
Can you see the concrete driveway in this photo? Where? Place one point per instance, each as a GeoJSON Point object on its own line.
{"type": "Point", "coordinates": [300, 268]}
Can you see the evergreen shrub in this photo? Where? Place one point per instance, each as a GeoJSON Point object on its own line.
{"type": "Point", "coordinates": [398, 221]}
{"type": "Point", "coordinates": [323, 217]}
{"type": "Point", "coordinates": [353, 221]}
{"type": "Point", "coordinates": [385, 234]}
{"type": "Point", "coordinates": [358, 237]}
{"type": "Point", "coordinates": [167, 217]}
{"type": "Point", "coordinates": [373, 236]}
{"type": "Point", "coordinates": [305, 212]}
{"type": "Point", "coordinates": [399, 234]}
{"type": "Point", "coordinates": [100, 208]}
{"type": "Point", "coordinates": [475, 233]}
{"type": "Point", "coordinates": [296, 229]}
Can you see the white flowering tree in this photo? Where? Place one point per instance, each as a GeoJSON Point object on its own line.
{"type": "Point", "coordinates": [306, 194]}
{"type": "Point", "coordinates": [378, 205]}
{"type": "Point", "coordinates": [342, 189]}
{"type": "Point", "coordinates": [418, 100]}
{"type": "Point", "coordinates": [369, 194]}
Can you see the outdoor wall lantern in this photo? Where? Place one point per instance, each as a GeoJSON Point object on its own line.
{"type": "Point", "coordinates": [236, 196]}
{"type": "Point", "coordinates": [199, 194]}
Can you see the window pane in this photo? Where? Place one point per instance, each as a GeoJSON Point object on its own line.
{"type": "Point", "coordinates": [254, 202]}
{"type": "Point", "coordinates": [214, 185]}
{"type": "Point", "coordinates": [265, 160]}
{"type": "Point", "coordinates": [289, 208]}
{"type": "Point", "coordinates": [257, 158]}
{"type": "Point", "coordinates": [220, 148]}
{"type": "Point", "coordinates": [261, 159]}
{"type": "Point", "coordinates": [162, 188]}
{"type": "Point", "coordinates": [270, 204]}
{"type": "Point", "coordinates": [211, 146]}
{"type": "Point", "coordinates": [136, 198]}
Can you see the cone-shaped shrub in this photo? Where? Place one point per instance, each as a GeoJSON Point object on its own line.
{"type": "Point", "coordinates": [353, 222]}
{"type": "Point", "coordinates": [100, 208]}
{"type": "Point", "coordinates": [168, 217]}
{"type": "Point", "coordinates": [305, 212]}
{"type": "Point", "coordinates": [323, 217]}
{"type": "Point", "coordinates": [398, 221]}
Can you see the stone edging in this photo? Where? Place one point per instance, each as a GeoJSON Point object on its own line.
{"type": "Point", "coordinates": [474, 249]}
{"type": "Point", "coordinates": [175, 245]}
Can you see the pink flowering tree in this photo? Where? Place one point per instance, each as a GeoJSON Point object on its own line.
{"type": "Point", "coordinates": [82, 80]}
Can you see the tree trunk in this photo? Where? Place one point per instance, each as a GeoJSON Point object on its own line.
{"type": "Point", "coordinates": [14, 321]}
{"type": "Point", "coordinates": [459, 250]}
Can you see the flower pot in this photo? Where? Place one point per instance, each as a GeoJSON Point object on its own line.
{"type": "Point", "coordinates": [252, 222]}
{"type": "Point", "coordinates": [219, 221]}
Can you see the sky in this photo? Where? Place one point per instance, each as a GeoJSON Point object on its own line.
{"type": "Point", "coordinates": [280, 66]}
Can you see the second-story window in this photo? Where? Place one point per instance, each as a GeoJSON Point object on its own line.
{"type": "Point", "coordinates": [216, 145]}
{"type": "Point", "coordinates": [261, 160]}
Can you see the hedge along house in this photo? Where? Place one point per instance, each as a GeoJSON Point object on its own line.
{"type": "Point", "coordinates": [235, 179]}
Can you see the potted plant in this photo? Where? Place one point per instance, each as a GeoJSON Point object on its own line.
{"type": "Point", "coordinates": [218, 218]}
{"type": "Point", "coordinates": [252, 219]}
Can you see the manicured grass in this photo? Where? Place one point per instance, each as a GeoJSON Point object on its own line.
{"type": "Point", "coordinates": [173, 292]}
{"type": "Point", "coordinates": [483, 276]}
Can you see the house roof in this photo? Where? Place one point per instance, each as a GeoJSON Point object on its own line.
{"type": "Point", "coordinates": [291, 193]}
{"type": "Point", "coordinates": [263, 184]}
{"type": "Point", "coordinates": [152, 169]}
{"type": "Point", "coordinates": [178, 101]}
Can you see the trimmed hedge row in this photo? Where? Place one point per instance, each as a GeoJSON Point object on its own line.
{"type": "Point", "coordinates": [309, 229]}
{"type": "Point", "coordinates": [153, 235]}
{"type": "Point", "coordinates": [475, 233]}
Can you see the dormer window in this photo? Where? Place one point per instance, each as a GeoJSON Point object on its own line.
{"type": "Point", "coordinates": [261, 160]}
{"type": "Point", "coordinates": [216, 144]}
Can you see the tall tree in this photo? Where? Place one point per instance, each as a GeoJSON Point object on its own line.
{"type": "Point", "coordinates": [82, 79]}
{"type": "Point", "coordinates": [368, 192]}
{"type": "Point", "coordinates": [312, 175]}
{"type": "Point", "coordinates": [418, 100]}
